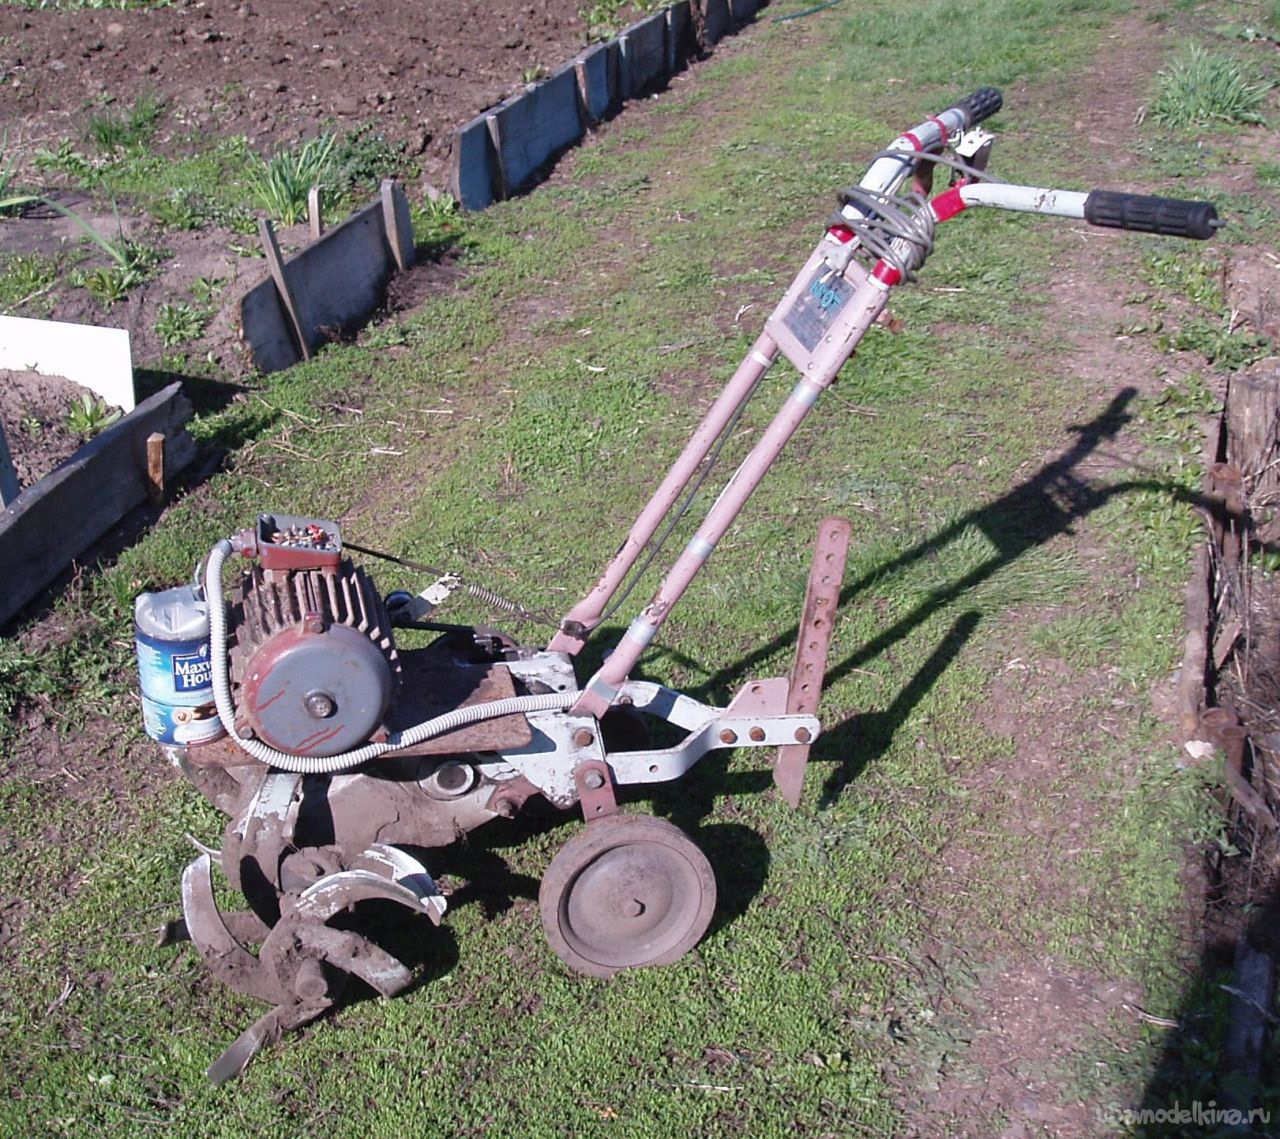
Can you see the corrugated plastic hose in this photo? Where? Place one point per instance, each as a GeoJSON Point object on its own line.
{"type": "Point", "coordinates": [331, 764]}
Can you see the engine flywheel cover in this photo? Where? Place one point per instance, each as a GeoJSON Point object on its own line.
{"type": "Point", "coordinates": [317, 693]}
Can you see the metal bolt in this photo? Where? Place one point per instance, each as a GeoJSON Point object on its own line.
{"type": "Point", "coordinates": [728, 736]}
{"type": "Point", "coordinates": [803, 735]}
{"type": "Point", "coordinates": [506, 808]}
{"type": "Point", "coordinates": [244, 732]}
{"type": "Point", "coordinates": [593, 780]}
{"type": "Point", "coordinates": [452, 776]}
{"type": "Point", "coordinates": [632, 908]}
{"type": "Point", "coordinates": [319, 704]}
{"type": "Point", "coordinates": [583, 738]}
{"type": "Point", "coordinates": [757, 734]}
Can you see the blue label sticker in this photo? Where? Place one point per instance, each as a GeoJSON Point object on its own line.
{"type": "Point", "coordinates": [814, 311]}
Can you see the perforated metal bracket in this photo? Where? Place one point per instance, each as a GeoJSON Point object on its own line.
{"type": "Point", "coordinates": [595, 790]}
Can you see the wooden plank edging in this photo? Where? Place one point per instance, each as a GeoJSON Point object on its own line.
{"type": "Point", "coordinates": [329, 284]}
{"type": "Point", "coordinates": [502, 150]}
{"type": "Point", "coordinates": [55, 520]}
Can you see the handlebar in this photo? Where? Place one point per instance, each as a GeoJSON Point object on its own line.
{"type": "Point", "coordinates": [1172, 217]}
{"type": "Point", "coordinates": [887, 174]}
{"type": "Point", "coordinates": [896, 232]}
{"type": "Point", "coordinates": [982, 104]}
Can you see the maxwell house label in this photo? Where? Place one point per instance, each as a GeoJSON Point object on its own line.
{"type": "Point", "coordinates": [175, 672]}
{"type": "Point", "coordinates": [192, 671]}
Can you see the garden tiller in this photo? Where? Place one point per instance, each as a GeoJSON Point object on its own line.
{"type": "Point", "coordinates": [335, 754]}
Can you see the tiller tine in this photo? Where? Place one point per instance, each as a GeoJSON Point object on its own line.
{"type": "Point", "coordinates": [380, 872]}
{"type": "Point", "coordinates": [209, 930]}
{"type": "Point", "coordinates": [821, 599]}
{"type": "Point", "coordinates": [264, 1031]}
{"type": "Point", "coordinates": [303, 964]}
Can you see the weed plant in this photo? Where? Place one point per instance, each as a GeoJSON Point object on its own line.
{"type": "Point", "coordinates": [437, 222]}
{"type": "Point", "coordinates": [1205, 87]}
{"type": "Point", "coordinates": [178, 323]}
{"type": "Point", "coordinates": [181, 208]}
{"type": "Point", "coordinates": [132, 264]}
{"type": "Point", "coordinates": [88, 416]}
{"type": "Point", "coordinates": [362, 158]}
{"type": "Point", "coordinates": [113, 131]}
{"type": "Point", "coordinates": [280, 184]}
{"type": "Point", "coordinates": [9, 201]}
{"type": "Point", "coordinates": [206, 291]}
{"type": "Point", "coordinates": [65, 159]}
{"type": "Point", "coordinates": [605, 18]}
{"type": "Point", "coordinates": [23, 277]}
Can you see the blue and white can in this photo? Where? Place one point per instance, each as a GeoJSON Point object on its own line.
{"type": "Point", "coordinates": [181, 725]}
{"type": "Point", "coordinates": [171, 631]}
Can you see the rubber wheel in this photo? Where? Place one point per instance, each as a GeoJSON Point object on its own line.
{"type": "Point", "coordinates": [630, 891]}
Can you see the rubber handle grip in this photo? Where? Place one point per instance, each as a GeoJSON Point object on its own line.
{"type": "Point", "coordinates": [982, 104]}
{"type": "Point", "coordinates": [1172, 217]}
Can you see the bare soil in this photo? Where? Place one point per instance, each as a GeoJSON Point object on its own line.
{"type": "Point", "coordinates": [278, 70]}
{"type": "Point", "coordinates": [33, 413]}
{"type": "Point", "coordinates": [274, 71]}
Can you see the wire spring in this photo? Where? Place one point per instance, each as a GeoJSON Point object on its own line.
{"type": "Point", "coordinates": [479, 592]}
{"type": "Point", "coordinates": [497, 601]}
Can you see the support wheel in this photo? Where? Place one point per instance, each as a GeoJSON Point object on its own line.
{"type": "Point", "coordinates": [632, 890]}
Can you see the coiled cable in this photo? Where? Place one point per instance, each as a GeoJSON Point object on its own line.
{"type": "Point", "coordinates": [898, 228]}
{"type": "Point", "coordinates": [894, 228]}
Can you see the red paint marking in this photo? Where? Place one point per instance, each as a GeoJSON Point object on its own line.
{"type": "Point", "coordinates": [947, 204]}
{"type": "Point", "coordinates": [942, 129]}
{"type": "Point", "coordinates": [913, 140]}
{"type": "Point", "coordinates": [886, 274]}
{"type": "Point", "coordinates": [259, 704]}
{"type": "Point", "coordinates": [842, 233]}
{"type": "Point", "coordinates": [306, 745]}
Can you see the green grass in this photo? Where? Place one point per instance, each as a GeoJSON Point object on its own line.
{"type": "Point", "coordinates": [1204, 87]}
{"type": "Point", "coordinates": [115, 130]}
{"type": "Point", "coordinates": [1194, 314]}
{"type": "Point", "coordinates": [25, 278]}
{"type": "Point", "coordinates": [528, 410]}
{"type": "Point", "coordinates": [201, 181]}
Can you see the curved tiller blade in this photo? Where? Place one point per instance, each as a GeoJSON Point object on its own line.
{"type": "Point", "coordinates": [216, 943]}
{"type": "Point", "coordinates": [382, 871]}
{"type": "Point", "coordinates": [303, 963]}
{"type": "Point", "coordinates": [264, 1031]}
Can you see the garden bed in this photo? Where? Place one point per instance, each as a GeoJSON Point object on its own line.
{"type": "Point", "coordinates": [38, 416]}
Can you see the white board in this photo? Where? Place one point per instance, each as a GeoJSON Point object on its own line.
{"type": "Point", "coordinates": [95, 358]}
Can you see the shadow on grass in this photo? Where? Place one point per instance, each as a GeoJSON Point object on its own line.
{"type": "Point", "coordinates": [1218, 1073]}
{"type": "Point", "coordinates": [1045, 506]}
{"type": "Point", "coordinates": [1041, 508]}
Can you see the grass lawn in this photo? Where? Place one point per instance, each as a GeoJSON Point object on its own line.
{"type": "Point", "coordinates": [994, 811]}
